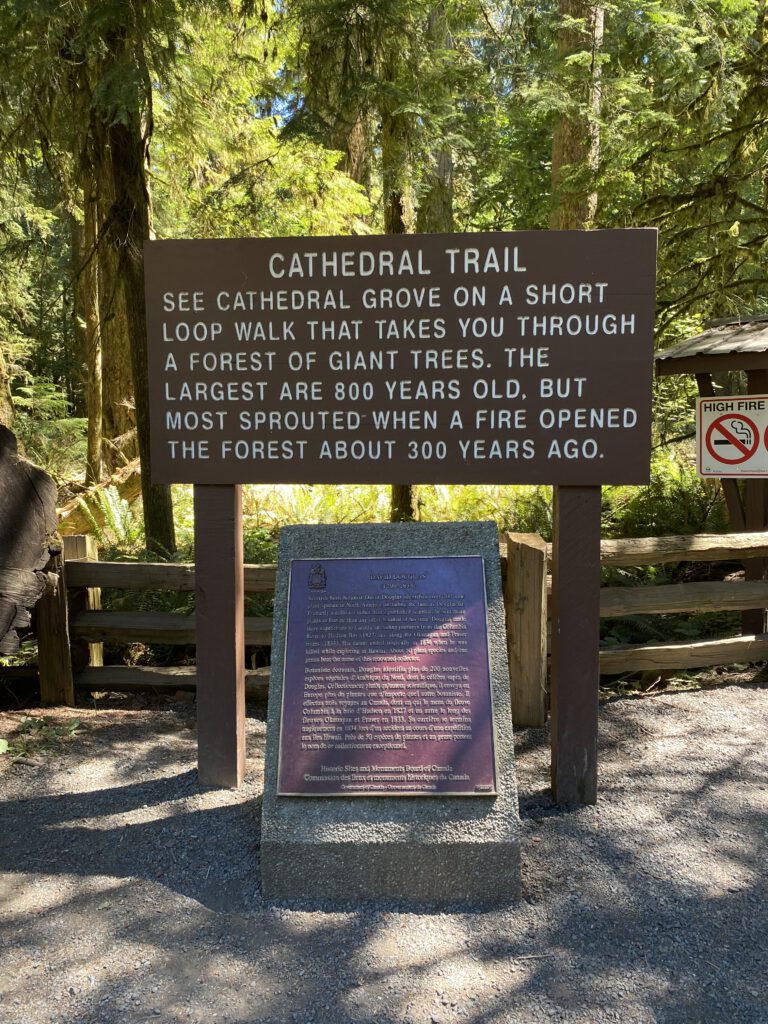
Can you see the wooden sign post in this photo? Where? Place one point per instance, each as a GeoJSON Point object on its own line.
{"type": "Point", "coordinates": [575, 641]}
{"type": "Point", "coordinates": [521, 357]}
{"type": "Point", "coordinates": [219, 627]}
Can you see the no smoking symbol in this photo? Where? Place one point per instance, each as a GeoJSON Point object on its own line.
{"type": "Point", "coordinates": [732, 439]}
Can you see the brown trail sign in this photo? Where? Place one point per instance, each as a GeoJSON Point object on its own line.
{"type": "Point", "coordinates": [520, 357]}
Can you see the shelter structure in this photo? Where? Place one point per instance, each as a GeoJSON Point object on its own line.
{"type": "Point", "coordinates": [727, 346]}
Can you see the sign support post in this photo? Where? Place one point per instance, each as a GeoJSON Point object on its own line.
{"type": "Point", "coordinates": [219, 613]}
{"type": "Point", "coordinates": [575, 643]}
{"type": "Point", "coordinates": [756, 516]}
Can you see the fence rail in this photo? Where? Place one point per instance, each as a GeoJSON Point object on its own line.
{"type": "Point", "coordinates": [154, 627]}
{"type": "Point", "coordinates": [79, 626]}
{"type": "Point", "coordinates": [176, 576]}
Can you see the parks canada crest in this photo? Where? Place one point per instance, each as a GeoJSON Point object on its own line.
{"type": "Point", "coordinates": [317, 579]}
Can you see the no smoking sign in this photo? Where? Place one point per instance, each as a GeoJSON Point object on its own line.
{"type": "Point", "coordinates": [732, 436]}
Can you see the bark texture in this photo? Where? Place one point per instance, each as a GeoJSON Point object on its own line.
{"type": "Point", "coordinates": [576, 134]}
{"type": "Point", "coordinates": [129, 226]}
{"type": "Point", "coordinates": [118, 406]}
{"type": "Point", "coordinates": [88, 277]}
{"type": "Point", "coordinates": [6, 401]}
{"type": "Point", "coordinates": [27, 539]}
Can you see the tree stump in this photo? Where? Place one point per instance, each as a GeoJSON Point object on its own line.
{"type": "Point", "coordinates": [28, 539]}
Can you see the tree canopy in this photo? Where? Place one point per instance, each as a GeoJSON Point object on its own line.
{"type": "Point", "coordinates": [119, 120]}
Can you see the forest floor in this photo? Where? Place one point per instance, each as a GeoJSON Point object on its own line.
{"type": "Point", "coordinates": [130, 895]}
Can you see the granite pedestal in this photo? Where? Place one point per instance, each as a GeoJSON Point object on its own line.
{"type": "Point", "coordinates": [437, 851]}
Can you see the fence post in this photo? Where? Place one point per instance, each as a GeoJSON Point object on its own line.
{"type": "Point", "coordinates": [54, 660]}
{"type": "Point", "coordinates": [84, 547]}
{"type": "Point", "coordinates": [525, 598]}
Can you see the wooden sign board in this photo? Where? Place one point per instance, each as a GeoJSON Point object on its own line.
{"type": "Point", "coordinates": [488, 358]}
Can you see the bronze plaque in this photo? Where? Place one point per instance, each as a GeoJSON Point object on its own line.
{"type": "Point", "coordinates": [521, 357]}
{"type": "Point", "coordinates": [386, 688]}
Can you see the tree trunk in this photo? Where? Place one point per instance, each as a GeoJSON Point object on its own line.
{"type": "Point", "coordinates": [338, 60]}
{"type": "Point", "coordinates": [78, 373]}
{"type": "Point", "coordinates": [576, 134]}
{"type": "Point", "coordinates": [119, 418]}
{"type": "Point", "coordinates": [436, 206]}
{"type": "Point", "coordinates": [356, 146]}
{"type": "Point", "coordinates": [404, 505]}
{"type": "Point", "coordinates": [128, 228]}
{"type": "Point", "coordinates": [394, 162]}
{"type": "Point", "coordinates": [88, 278]}
{"type": "Point", "coordinates": [394, 154]}
{"type": "Point", "coordinates": [7, 411]}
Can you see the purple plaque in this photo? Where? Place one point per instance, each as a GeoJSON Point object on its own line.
{"type": "Point", "coordinates": [387, 687]}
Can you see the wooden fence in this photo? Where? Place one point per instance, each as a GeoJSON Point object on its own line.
{"type": "Point", "coordinates": [71, 626]}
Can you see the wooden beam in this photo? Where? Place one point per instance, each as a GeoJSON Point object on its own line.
{"type": "Point", "coordinates": [83, 546]}
{"type": "Point", "coordinates": [657, 657]}
{"type": "Point", "coordinates": [157, 576]}
{"type": "Point", "coordinates": [733, 595]}
{"type": "Point", "coordinates": [156, 627]}
{"type": "Point", "coordinates": [54, 660]}
{"type": "Point", "coordinates": [575, 643]}
{"type": "Point", "coordinates": [220, 642]}
{"type": "Point", "coordinates": [701, 547]}
{"type": "Point", "coordinates": [525, 601]}
{"type": "Point", "coordinates": [258, 579]}
{"type": "Point", "coordinates": [755, 508]}
{"type": "Point", "coordinates": [128, 678]}
{"type": "Point", "coordinates": [729, 361]}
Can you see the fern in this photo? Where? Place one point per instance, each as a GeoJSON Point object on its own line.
{"type": "Point", "coordinates": [117, 526]}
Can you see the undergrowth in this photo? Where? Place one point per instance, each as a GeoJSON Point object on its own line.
{"type": "Point", "coordinates": [35, 736]}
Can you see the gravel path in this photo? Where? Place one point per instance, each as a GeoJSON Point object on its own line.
{"type": "Point", "coordinates": [128, 895]}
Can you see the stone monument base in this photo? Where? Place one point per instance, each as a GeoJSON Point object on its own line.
{"type": "Point", "coordinates": [437, 851]}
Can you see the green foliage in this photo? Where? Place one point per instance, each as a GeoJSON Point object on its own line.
{"type": "Point", "coordinates": [520, 509]}
{"type": "Point", "coordinates": [37, 736]}
{"type": "Point", "coordinates": [47, 435]}
{"type": "Point", "coordinates": [117, 526]}
{"type": "Point", "coordinates": [41, 399]}
{"type": "Point", "coordinates": [640, 629]}
{"type": "Point", "coordinates": [223, 168]}
{"type": "Point", "coordinates": [24, 656]}
{"type": "Point", "coordinates": [676, 501]}
{"type": "Point", "coordinates": [252, 111]}
{"type": "Point", "coordinates": [267, 507]}
{"type": "Point", "coordinates": [35, 304]}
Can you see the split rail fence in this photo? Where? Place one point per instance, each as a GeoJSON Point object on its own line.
{"type": "Point", "coordinates": [71, 626]}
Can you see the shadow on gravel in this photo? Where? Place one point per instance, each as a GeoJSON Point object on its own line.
{"type": "Point", "coordinates": [647, 909]}
{"type": "Point", "coordinates": [672, 902]}
{"type": "Point", "coordinates": [197, 853]}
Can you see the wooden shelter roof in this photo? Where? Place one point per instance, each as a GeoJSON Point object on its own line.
{"type": "Point", "coordinates": [725, 345]}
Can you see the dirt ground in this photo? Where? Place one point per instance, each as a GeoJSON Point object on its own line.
{"type": "Point", "coordinates": [128, 894]}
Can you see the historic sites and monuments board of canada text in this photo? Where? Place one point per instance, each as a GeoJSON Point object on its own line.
{"type": "Point", "coordinates": [387, 682]}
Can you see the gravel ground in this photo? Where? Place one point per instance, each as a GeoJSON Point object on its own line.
{"type": "Point", "coordinates": [129, 895]}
